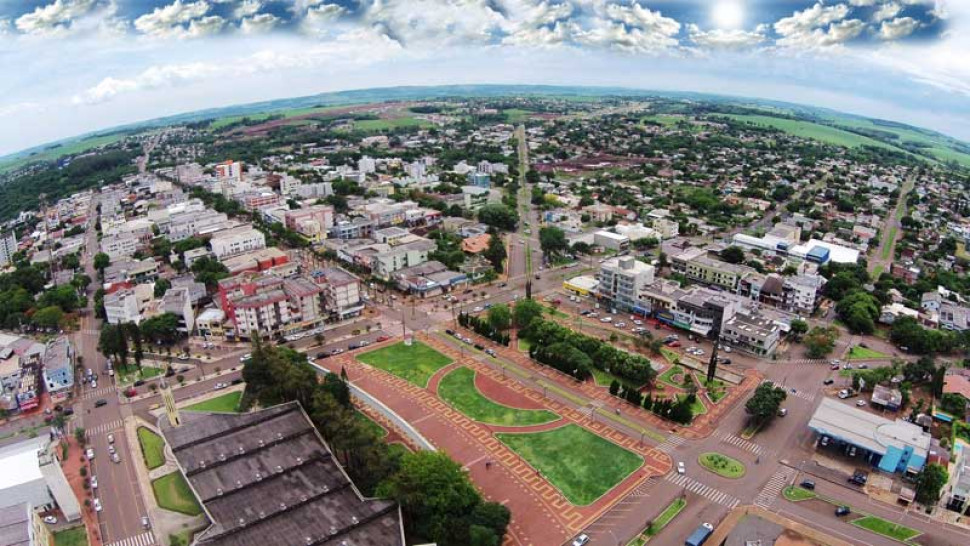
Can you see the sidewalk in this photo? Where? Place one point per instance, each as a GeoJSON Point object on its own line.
{"type": "Point", "coordinates": [71, 465]}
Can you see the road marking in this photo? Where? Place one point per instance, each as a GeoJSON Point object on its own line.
{"type": "Point", "coordinates": [804, 395]}
{"type": "Point", "coordinates": [103, 391]}
{"type": "Point", "coordinates": [144, 539]}
{"type": "Point", "coordinates": [705, 491]}
{"type": "Point", "coordinates": [773, 488]}
{"type": "Point", "coordinates": [111, 426]}
{"type": "Point", "coordinates": [671, 443]}
{"type": "Point", "coordinates": [746, 445]}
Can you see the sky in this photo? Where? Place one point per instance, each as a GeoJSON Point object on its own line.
{"type": "Point", "coordinates": [76, 66]}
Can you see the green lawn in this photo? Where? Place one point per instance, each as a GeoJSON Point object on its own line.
{"type": "Point", "coordinates": [152, 448]}
{"type": "Point", "coordinates": [669, 354]}
{"type": "Point", "coordinates": [796, 494]}
{"type": "Point", "coordinates": [579, 463]}
{"type": "Point", "coordinates": [697, 408]}
{"type": "Point", "coordinates": [669, 374]}
{"type": "Point", "coordinates": [861, 353]}
{"type": "Point", "coordinates": [524, 344]}
{"type": "Point", "coordinates": [888, 242]}
{"type": "Point", "coordinates": [227, 403]}
{"type": "Point", "coordinates": [415, 363]}
{"type": "Point", "coordinates": [172, 493]}
{"type": "Point", "coordinates": [376, 125]}
{"type": "Point", "coordinates": [604, 379]}
{"type": "Point", "coordinates": [814, 131]}
{"type": "Point", "coordinates": [369, 423]}
{"type": "Point", "coordinates": [130, 374]}
{"type": "Point", "coordinates": [75, 536]}
{"type": "Point", "coordinates": [886, 528]}
{"type": "Point", "coordinates": [667, 515]}
{"type": "Point", "coordinates": [59, 150]}
{"type": "Point", "coordinates": [722, 465]}
{"type": "Point", "coordinates": [458, 389]}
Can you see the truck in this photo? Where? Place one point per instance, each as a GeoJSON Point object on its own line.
{"type": "Point", "coordinates": [699, 536]}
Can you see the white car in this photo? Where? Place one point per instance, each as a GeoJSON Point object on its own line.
{"type": "Point", "coordinates": [50, 520]}
{"type": "Point", "coordinates": [89, 453]}
{"type": "Point", "coordinates": [220, 386]}
{"type": "Point", "coordinates": [638, 322]}
{"type": "Point", "coordinates": [620, 325]}
{"type": "Point", "coordinates": [606, 319]}
{"type": "Point", "coordinates": [861, 403]}
{"type": "Point", "coordinates": [581, 540]}
{"type": "Point", "coordinates": [843, 394]}
{"type": "Point", "coordinates": [97, 505]}
{"type": "Point", "coordinates": [111, 438]}
{"type": "Point", "coordinates": [477, 310]}
{"type": "Point", "coordinates": [681, 469]}
{"type": "Point", "coordinates": [115, 458]}
{"type": "Point", "coordinates": [94, 482]}
{"type": "Point", "coordinates": [245, 357]}
{"type": "Point", "coordinates": [111, 450]}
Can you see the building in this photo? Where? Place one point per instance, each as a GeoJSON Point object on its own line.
{"type": "Point", "coordinates": [231, 170]}
{"type": "Point", "coordinates": [178, 301]}
{"type": "Point", "coordinates": [890, 446]}
{"type": "Point", "coordinates": [312, 222]}
{"type": "Point", "coordinates": [355, 228]}
{"type": "Point", "coordinates": [701, 310]}
{"type": "Point", "coordinates": [267, 475]}
{"type": "Point", "coordinates": [583, 285]}
{"type": "Point", "coordinates": [270, 306]}
{"type": "Point", "coordinates": [476, 244]}
{"type": "Point", "coordinates": [622, 279]}
{"type": "Point", "coordinates": [957, 492]}
{"type": "Point", "coordinates": [751, 333]}
{"type": "Point", "coordinates": [798, 294]}
{"type": "Point", "coordinates": [342, 294]}
{"type": "Point", "coordinates": [8, 247]}
{"type": "Point", "coordinates": [122, 307]}
{"type": "Point", "coordinates": [695, 264]}
{"type": "Point", "coordinates": [32, 475]}
{"type": "Point", "coordinates": [822, 252]}
{"type": "Point", "coordinates": [474, 197]}
{"type": "Point", "coordinates": [58, 368]}
{"type": "Point", "coordinates": [211, 323]}
{"type": "Point", "coordinates": [482, 180]}
{"type": "Point", "coordinates": [667, 228]}
{"type": "Point", "coordinates": [235, 241]}
{"type": "Point", "coordinates": [886, 398]}
{"type": "Point", "coordinates": [610, 240]}
{"type": "Point", "coordinates": [119, 246]}
{"type": "Point", "coordinates": [20, 525]}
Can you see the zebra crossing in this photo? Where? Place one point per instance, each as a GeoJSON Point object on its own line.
{"type": "Point", "coordinates": [804, 362]}
{"type": "Point", "coordinates": [643, 490]}
{"type": "Point", "coordinates": [705, 491]}
{"type": "Point", "coordinates": [102, 391]}
{"type": "Point", "coordinates": [804, 395]}
{"type": "Point", "coordinates": [746, 445]}
{"type": "Point", "coordinates": [671, 443]}
{"type": "Point", "coordinates": [144, 539]}
{"type": "Point", "coordinates": [775, 484]}
{"type": "Point", "coordinates": [105, 427]}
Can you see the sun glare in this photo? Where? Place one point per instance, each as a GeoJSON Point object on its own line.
{"type": "Point", "coordinates": [728, 14]}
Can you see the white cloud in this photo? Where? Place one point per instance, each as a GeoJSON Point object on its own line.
{"type": "Point", "coordinates": [152, 78]}
{"type": "Point", "coordinates": [247, 8]}
{"type": "Point", "coordinates": [818, 27]}
{"type": "Point", "coordinates": [434, 22]}
{"type": "Point", "coordinates": [180, 20]}
{"type": "Point", "coordinates": [54, 19]}
{"type": "Point", "coordinates": [886, 11]}
{"type": "Point", "coordinates": [727, 39]}
{"type": "Point", "coordinates": [812, 18]}
{"type": "Point", "coordinates": [258, 24]}
{"type": "Point", "coordinates": [897, 28]}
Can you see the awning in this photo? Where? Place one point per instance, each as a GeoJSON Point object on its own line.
{"type": "Point", "coordinates": [890, 460]}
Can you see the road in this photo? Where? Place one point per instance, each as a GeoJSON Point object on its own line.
{"type": "Point", "coordinates": [892, 231]}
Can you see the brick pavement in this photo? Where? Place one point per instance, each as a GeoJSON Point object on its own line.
{"type": "Point", "coordinates": [540, 513]}
{"type": "Point", "coordinates": [71, 465]}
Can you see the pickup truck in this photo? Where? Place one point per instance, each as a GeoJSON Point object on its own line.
{"type": "Point", "coordinates": [699, 536]}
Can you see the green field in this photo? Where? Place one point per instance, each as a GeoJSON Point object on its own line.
{"type": "Point", "coordinates": [722, 465]}
{"type": "Point", "coordinates": [370, 424]}
{"type": "Point", "coordinates": [458, 389]}
{"type": "Point", "coordinates": [68, 148]}
{"type": "Point", "coordinates": [815, 131]}
{"type": "Point", "coordinates": [938, 146]}
{"type": "Point", "coordinates": [886, 528]}
{"type": "Point", "coordinates": [131, 373]}
{"type": "Point", "coordinates": [75, 536]}
{"type": "Point", "coordinates": [227, 403]}
{"type": "Point", "coordinates": [516, 115]}
{"type": "Point", "coordinates": [862, 353]}
{"type": "Point", "coordinates": [152, 448]}
{"type": "Point", "coordinates": [796, 494]}
{"type": "Point", "coordinates": [415, 363]}
{"type": "Point", "coordinates": [572, 459]}
{"type": "Point", "coordinates": [377, 125]}
{"type": "Point", "coordinates": [172, 493]}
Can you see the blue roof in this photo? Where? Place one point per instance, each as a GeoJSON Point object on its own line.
{"type": "Point", "coordinates": [891, 459]}
{"type": "Point", "coordinates": [819, 254]}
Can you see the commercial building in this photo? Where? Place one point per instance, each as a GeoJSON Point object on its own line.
{"type": "Point", "coordinates": [341, 292]}
{"type": "Point", "coordinates": [890, 446]}
{"type": "Point", "coordinates": [474, 197]}
{"type": "Point", "coordinates": [58, 368]}
{"type": "Point", "coordinates": [622, 279]}
{"type": "Point", "coordinates": [355, 228]}
{"type": "Point", "coordinates": [119, 246]}
{"type": "Point", "coordinates": [235, 241]}
{"type": "Point", "coordinates": [266, 475]}
{"type": "Point", "coordinates": [482, 180]}
{"type": "Point", "coordinates": [798, 294]}
{"type": "Point", "coordinates": [312, 222]}
{"type": "Point", "coordinates": [822, 252]}
{"type": "Point", "coordinates": [583, 285]}
{"type": "Point", "coordinates": [32, 475]}
{"type": "Point", "coordinates": [696, 265]}
{"type": "Point", "coordinates": [123, 306]}
{"type": "Point", "coordinates": [270, 306]}
{"type": "Point", "coordinates": [610, 240]}
{"type": "Point", "coordinates": [751, 333]}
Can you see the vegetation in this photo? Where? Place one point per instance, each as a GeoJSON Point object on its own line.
{"type": "Point", "coordinates": [820, 341]}
{"type": "Point", "coordinates": [763, 406]}
{"type": "Point", "coordinates": [458, 389]}
{"type": "Point", "coordinates": [722, 465]}
{"type": "Point", "coordinates": [930, 483]}
{"type": "Point", "coordinates": [416, 362]}
{"type": "Point", "coordinates": [173, 493]}
{"type": "Point", "coordinates": [227, 403]}
{"type": "Point", "coordinates": [796, 494]}
{"type": "Point", "coordinates": [862, 353]}
{"type": "Point", "coordinates": [571, 458]}
{"type": "Point", "coordinates": [152, 448]}
{"type": "Point", "coordinates": [485, 327]}
{"type": "Point", "coordinates": [75, 536]}
{"type": "Point", "coordinates": [886, 528]}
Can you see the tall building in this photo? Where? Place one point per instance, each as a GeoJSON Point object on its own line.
{"type": "Point", "coordinates": [8, 247]}
{"type": "Point", "coordinates": [621, 280]}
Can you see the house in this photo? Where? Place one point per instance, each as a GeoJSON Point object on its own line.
{"type": "Point", "coordinates": [887, 398]}
{"type": "Point", "coordinates": [476, 244]}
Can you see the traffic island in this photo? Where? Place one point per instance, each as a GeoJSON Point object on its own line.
{"type": "Point", "coordinates": [722, 465]}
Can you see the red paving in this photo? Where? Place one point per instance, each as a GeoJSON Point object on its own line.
{"type": "Point", "coordinates": [540, 514]}
{"type": "Point", "coordinates": [72, 470]}
{"type": "Point", "coordinates": [497, 392]}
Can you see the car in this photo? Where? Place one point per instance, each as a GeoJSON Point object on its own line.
{"type": "Point", "coordinates": [859, 478]}
{"type": "Point", "coordinates": [382, 338]}
{"type": "Point", "coordinates": [183, 356]}
{"type": "Point", "coordinates": [68, 411]}
{"type": "Point", "coordinates": [487, 306]}
{"type": "Point", "coordinates": [477, 310]}
{"type": "Point", "coordinates": [51, 520]}
{"type": "Point", "coordinates": [94, 384]}
{"type": "Point", "coordinates": [112, 450]}
{"type": "Point", "coordinates": [843, 394]}
{"type": "Point", "coordinates": [139, 383]}
{"type": "Point", "coordinates": [220, 386]}
{"type": "Point", "coordinates": [169, 372]}
{"type": "Point", "coordinates": [94, 482]}
{"type": "Point", "coordinates": [842, 511]}
{"type": "Point", "coordinates": [860, 403]}
{"type": "Point", "coordinates": [111, 438]}
{"type": "Point", "coordinates": [794, 390]}
{"type": "Point", "coordinates": [620, 325]}
{"type": "Point", "coordinates": [581, 540]}
{"type": "Point", "coordinates": [726, 349]}
{"type": "Point", "coordinates": [638, 322]}
{"type": "Point", "coordinates": [674, 344]}
{"type": "Point", "coordinates": [681, 469]}
{"type": "Point", "coordinates": [353, 346]}
{"type": "Point", "coordinates": [97, 505]}
{"type": "Point", "coordinates": [245, 357]}
{"type": "Point", "coordinates": [825, 441]}
{"type": "Point", "coordinates": [782, 412]}
{"type": "Point", "coordinates": [847, 366]}
{"type": "Point", "coordinates": [834, 367]}
{"type": "Point", "coordinates": [606, 319]}
{"type": "Point", "coordinates": [835, 362]}
{"type": "Point", "coordinates": [489, 352]}
{"type": "Point", "coordinates": [363, 343]}
{"type": "Point", "coordinates": [808, 484]}
{"type": "Point", "coordinates": [479, 346]}
{"type": "Point", "coordinates": [449, 331]}
{"type": "Point", "coordinates": [100, 402]}
{"type": "Point", "coordinates": [115, 458]}
{"type": "Point", "coordinates": [725, 361]}
{"type": "Point", "coordinates": [146, 523]}
{"type": "Point", "coordinates": [828, 381]}
{"type": "Point", "coordinates": [336, 351]}
{"type": "Point", "coordinates": [863, 366]}
{"type": "Point", "coordinates": [593, 314]}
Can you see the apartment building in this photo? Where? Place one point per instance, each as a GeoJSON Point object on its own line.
{"type": "Point", "coordinates": [312, 222]}
{"type": "Point", "coordinates": [8, 247]}
{"type": "Point", "coordinates": [237, 240]}
{"type": "Point", "coordinates": [703, 311]}
{"type": "Point", "coordinates": [696, 265]}
{"type": "Point", "coordinates": [798, 294]}
{"type": "Point", "coordinates": [187, 224]}
{"type": "Point", "coordinates": [342, 293]}
{"type": "Point", "coordinates": [474, 197]}
{"type": "Point", "coordinates": [751, 333]}
{"type": "Point", "coordinates": [355, 228]}
{"type": "Point", "coordinates": [622, 279]}
{"type": "Point", "coordinates": [119, 246]}
{"type": "Point", "coordinates": [256, 200]}
{"type": "Point", "coordinates": [127, 305]}
{"type": "Point", "coordinates": [271, 306]}
{"type": "Point", "coordinates": [58, 368]}
{"type": "Point", "coordinates": [610, 240]}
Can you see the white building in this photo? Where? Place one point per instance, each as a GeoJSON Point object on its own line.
{"type": "Point", "coordinates": [119, 246]}
{"type": "Point", "coordinates": [474, 197]}
{"type": "Point", "coordinates": [8, 247]}
{"type": "Point", "coordinates": [235, 241]}
{"type": "Point", "coordinates": [622, 279]}
{"type": "Point", "coordinates": [610, 240]}
{"type": "Point", "coordinates": [122, 307]}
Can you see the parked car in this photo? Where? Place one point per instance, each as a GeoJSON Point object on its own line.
{"type": "Point", "coordinates": [139, 383]}
{"type": "Point", "coordinates": [828, 381]}
{"type": "Point", "coordinates": [146, 523]}
{"type": "Point", "coordinates": [220, 386]}
{"type": "Point", "coordinates": [489, 352]}
{"type": "Point", "coordinates": [383, 338]}
{"type": "Point", "coordinates": [808, 484]}
{"type": "Point", "coordinates": [860, 403]}
{"type": "Point", "coordinates": [842, 511]}
{"type": "Point", "coordinates": [115, 458]}
{"type": "Point", "coordinates": [50, 520]}
{"type": "Point", "coordinates": [245, 357]}
{"type": "Point", "coordinates": [111, 438]}
{"type": "Point", "coordinates": [843, 394]}
{"type": "Point", "coordinates": [581, 540]}
{"type": "Point", "coordinates": [94, 482]}
{"type": "Point", "coordinates": [97, 505]}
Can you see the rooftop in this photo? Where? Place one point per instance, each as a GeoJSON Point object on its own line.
{"type": "Point", "coordinates": [868, 430]}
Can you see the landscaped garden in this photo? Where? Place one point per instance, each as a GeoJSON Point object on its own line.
{"type": "Point", "coordinates": [696, 407]}
{"type": "Point", "coordinates": [131, 373]}
{"type": "Point", "coordinates": [722, 465]}
{"type": "Point", "coordinates": [227, 403]}
{"type": "Point", "coordinates": [796, 494]}
{"type": "Point", "coordinates": [369, 423]}
{"type": "Point", "coordinates": [172, 493]}
{"type": "Point", "coordinates": [458, 389]}
{"type": "Point", "coordinates": [886, 528]}
{"type": "Point", "coordinates": [675, 376]}
{"type": "Point", "coordinates": [75, 536]}
{"type": "Point", "coordinates": [661, 521]}
{"type": "Point", "coordinates": [863, 353]}
{"type": "Point", "coordinates": [415, 363]}
{"type": "Point", "coordinates": [580, 464]}
{"type": "Point", "coordinates": [152, 448]}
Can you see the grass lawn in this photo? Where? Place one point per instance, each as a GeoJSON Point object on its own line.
{"type": "Point", "coordinates": [888, 242]}
{"type": "Point", "coordinates": [524, 345]}
{"type": "Point", "coordinates": [861, 353]}
{"type": "Point", "coordinates": [815, 131]}
{"type": "Point", "coordinates": [574, 460]}
{"type": "Point", "coordinates": [671, 372]}
{"type": "Point", "coordinates": [716, 395]}
{"type": "Point", "coordinates": [152, 448]}
{"type": "Point", "coordinates": [604, 379]}
{"type": "Point", "coordinates": [458, 389]}
{"type": "Point", "coordinates": [374, 125]}
{"type": "Point", "coordinates": [415, 363]}
{"type": "Point", "coordinates": [172, 493]}
{"type": "Point", "coordinates": [131, 374]}
{"type": "Point", "coordinates": [666, 516]}
{"type": "Point", "coordinates": [722, 465]}
{"type": "Point", "coordinates": [886, 528]}
{"type": "Point", "coordinates": [370, 424]}
{"type": "Point", "coordinates": [227, 403]}
{"type": "Point", "coordinates": [669, 354]}
{"type": "Point", "coordinates": [75, 536]}
{"type": "Point", "coordinates": [697, 408]}
{"type": "Point", "coordinates": [796, 494]}
{"type": "Point", "coordinates": [877, 271]}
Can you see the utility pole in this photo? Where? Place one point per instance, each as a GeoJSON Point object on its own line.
{"type": "Point", "coordinates": [712, 364]}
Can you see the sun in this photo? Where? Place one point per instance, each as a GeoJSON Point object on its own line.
{"type": "Point", "coordinates": [728, 14]}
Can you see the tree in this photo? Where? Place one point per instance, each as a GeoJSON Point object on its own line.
{"type": "Point", "coordinates": [525, 312]}
{"type": "Point", "coordinates": [764, 404]}
{"type": "Point", "coordinates": [798, 327]}
{"type": "Point", "coordinates": [614, 387]}
{"type": "Point", "coordinates": [859, 310]}
{"type": "Point", "coordinates": [930, 483]}
{"type": "Point", "coordinates": [499, 317]}
{"type": "Point", "coordinates": [209, 271]}
{"type": "Point", "coordinates": [101, 262]}
{"type": "Point", "coordinates": [48, 317]}
{"type": "Point", "coordinates": [162, 286]}
{"type": "Point", "coordinates": [161, 329]}
{"type": "Point", "coordinates": [496, 253]}
{"type": "Point", "coordinates": [553, 241]}
{"type": "Point", "coordinates": [732, 255]}
{"type": "Point", "coordinates": [820, 341]}
{"type": "Point", "coordinates": [498, 216]}
{"type": "Point", "coordinates": [80, 435]}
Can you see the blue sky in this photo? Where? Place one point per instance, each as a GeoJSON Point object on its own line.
{"type": "Point", "coordinates": [75, 66]}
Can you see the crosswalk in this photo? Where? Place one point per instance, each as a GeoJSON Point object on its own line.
{"type": "Point", "coordinates": [99, 392]}
{"type": "Point", "coordinates": [105, 428]}
{"type": "Point", "coordinates": [804, 361]}
{"type": "Point", "coordinates": [705, 491]}
{"type": "Point", "coordinates": [773, 488]}
{"type": "Point", "coordinates": [804, 395]}
{"type": "Point", "coordinates": [643, 490]}
{"type": "Point", "coordinates": [671, 443]}
{"type": "Point", "coordinates": [737, 441]}
{"type": "Point", "coordinates": [144, 539]}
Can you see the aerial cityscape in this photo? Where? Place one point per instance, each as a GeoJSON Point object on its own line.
{"type": "Point", "coordinates": [482, 273]}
